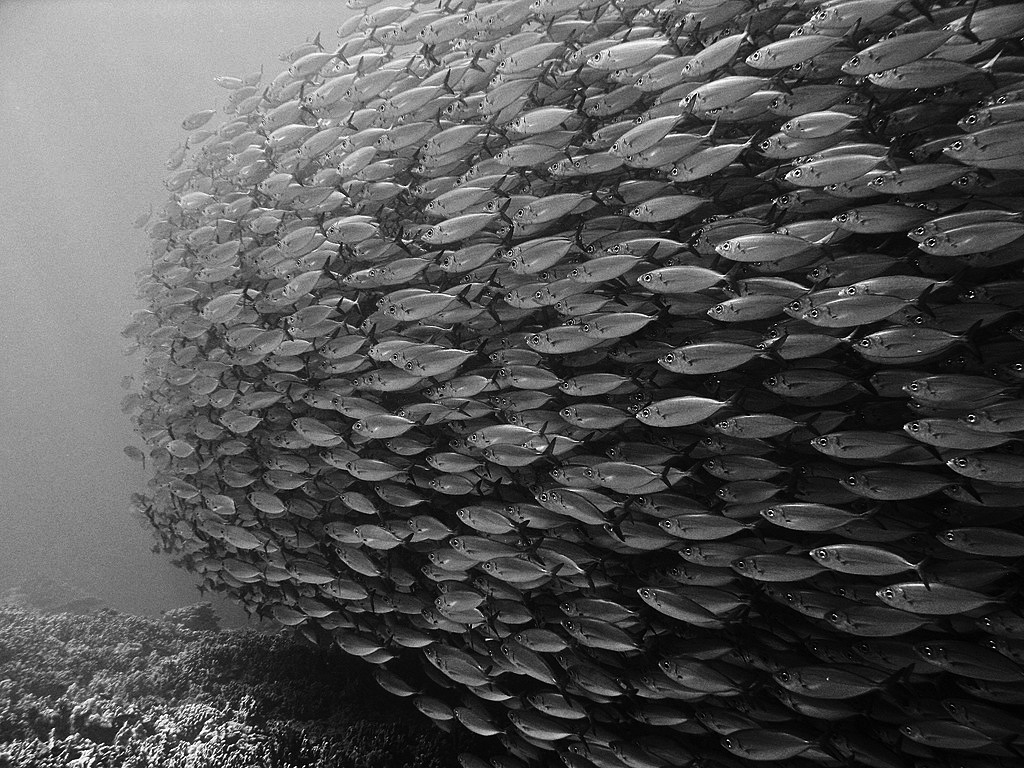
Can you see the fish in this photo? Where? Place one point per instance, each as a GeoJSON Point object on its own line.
{"type": "Point", "coordinates": [992, 467]}
{"type": "Point", "coordinates": [932, 599]}
{"type": "Point", "coordinates": [679, 411]}
{"type": "Point", "coordinates": [862, 559]}
{"type": "Point", "coordinates": [808, 516]}
{"type": "Point", "coordinates": [770, 567]}
{"type": "Point", "coordinates": [608, 362]}
{"type": "Point", "coordinates": [983, 541]}
{"type": "Point", "coordinates": [968, 659]}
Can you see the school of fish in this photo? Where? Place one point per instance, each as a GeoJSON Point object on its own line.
{"type": "Point", "coordinates": [637, 383]}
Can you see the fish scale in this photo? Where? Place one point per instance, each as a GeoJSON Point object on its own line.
{"type": "Point", "coordinates": [853, 395]}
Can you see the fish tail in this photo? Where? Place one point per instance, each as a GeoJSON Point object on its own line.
{"type": "Point", "coordinates": [901, 678]}
{"type": "Point", "coordinates": [748, 36]}
{"type": "Point", "coordinates": [922, 8]}
{"type": "Point", "coordinates": [1011, 591]}
{"type": "Point", "coordinates": [670, 476]}
{"type": "Point", "coordinates": [851, 35]}
{"type": "Point", "coordinates": [971, 338]}
{"type": "Point", "coordinates": [735, 398]}
{"type": "Point", "coordinates": [769, 349]}
{"type": "Point", "coordinates": [918, 569]}
{"type": "Point", "coordinates": [826, 743]}
{"type": "Point", "coordinates": [954, 281]}
{"type": "Point", "coordinates": [922, 301]}
{"type": "Point", "coordinates": [1010, 743]}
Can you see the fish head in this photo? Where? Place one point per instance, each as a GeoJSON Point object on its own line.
{"type": "Point", "coordinates": [822, 555]}
{"type": "Point", "coordinates": [975, 418]}
{"type": "Point", "coordinates": [892, 595]}
{"type": "Point", "coordinates": [911, 731]}
{"type": "Point", "coordinates": [827, 444]}
{"type": "Point", "coordinates": [854, 481]}
{"type": "Point", "coordinates": [718, 311]}
{"type": "Point", "coordinates": [960, 463]}
{"type": "Point", "coordinates": [743, 565]}
{"type": "Point", "coordinates": [933, 651]}
{"type": "Point", "coordinates": [774, 514]}
{"type": "Point", "coordinates": [787, 678]}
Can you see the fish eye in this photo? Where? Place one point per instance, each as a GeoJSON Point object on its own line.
{"type": "Point", "coordinates": [914, 426]}
{"type": "Point", "coordinates": [765, 145]}
{"type": "Point", "coordinates": [796, 173]}
{"type": "Point", "coordinates": [646, 412]}
{"type": "Point", "coordinates": [864, 343]}
{"type": "Point", "coordinates": [957, 146]}
{"type": "Point", "coordinates": [784, 676]}
{"type": "Point", "coordinates": [821, 441]}
{"type": "Point", "coordinates": [820, 554]}
{"type": "Point", "coordinates": [854, 62]}
{"type": "Point", "coordinates": [851, 480]}
{"type": "Point", "coordinates": [960, 462]}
